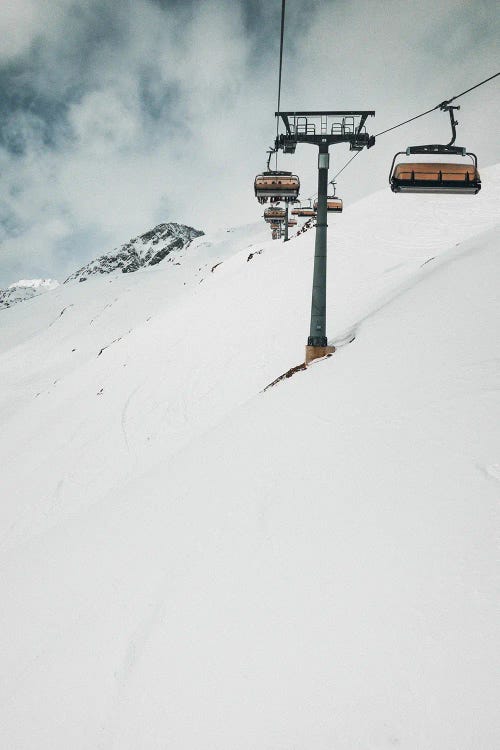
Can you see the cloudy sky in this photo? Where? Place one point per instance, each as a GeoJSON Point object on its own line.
{"type": "Point", "coordinates": [116, 115]}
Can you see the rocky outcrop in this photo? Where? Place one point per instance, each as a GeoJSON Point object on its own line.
{"type": "Point", "coordinates": [147, 250]}
{"type": "Point", "coordinates": [25, 289]}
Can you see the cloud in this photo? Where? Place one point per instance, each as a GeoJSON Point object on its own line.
{"type": "Point", "coordinates": [116, 115]}
{"type": "Point", "coordinates": [18, 23]}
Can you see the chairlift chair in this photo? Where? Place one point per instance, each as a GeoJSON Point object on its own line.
{"type": "Point", "coordinates": [303, 211]}
{"type": "Point", "coordinates": [276, 186]}
{"type": "Point", "coordinates": [274, 214]}
{"type": "Point", "coordinates": [333, 204]}
{"type": "Point", "coordinates": [436, 177]}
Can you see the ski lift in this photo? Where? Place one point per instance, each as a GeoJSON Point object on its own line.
{"type": "Point", "coordinates": [274, 214]}
{"type": "Point", "coordinates": [436, 177]}
{"type": "Point", "coordinates": [276, 185]}
{"type": "Point", "coordinates": [333, 204]}
{"type": "Point", "coordinates": [292, 222]}
{"type": "Point", "coordinates": [304, 210]}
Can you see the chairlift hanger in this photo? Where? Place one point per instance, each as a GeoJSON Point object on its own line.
{"type": "Point", "coordinates": [334, 186]}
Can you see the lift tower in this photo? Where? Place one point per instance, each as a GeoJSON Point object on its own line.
{"type": "Point", "coordinates": [322, 129]}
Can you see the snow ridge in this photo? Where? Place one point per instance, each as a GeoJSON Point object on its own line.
{"type": "Point", "coordinates": [146, 250]}
{"type": "Point", "coordinates": [25, 289]}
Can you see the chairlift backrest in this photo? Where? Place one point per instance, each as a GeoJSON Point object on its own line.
{"type": "Point", "coordinates": [277, 186]}
{"type": "Point", "coordinates": [274, 213]}
{"type": "Point", "coordinates": [306, 211]}
{"type": "Point", "coordinates": [435, 177]}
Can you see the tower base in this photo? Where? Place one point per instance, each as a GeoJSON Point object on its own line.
{"type": "Point", "coordinates": [316, 352]}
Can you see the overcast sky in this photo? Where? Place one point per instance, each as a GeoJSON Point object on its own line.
{"type": "Point", "coordinates": [116, 115]}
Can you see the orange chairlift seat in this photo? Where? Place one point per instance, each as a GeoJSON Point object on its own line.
{"type": "Point", "coordinates": [276, 186]}
{"type": "Point", "coordinates": [304, 210]}
{"type": "Point", "coordinates": [333, 204]}
{"type": "Point", "coordinates": [274, 213]}
{"type": "Point", "coordinates": [436, 177]}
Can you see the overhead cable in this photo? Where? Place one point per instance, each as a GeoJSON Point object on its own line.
{"type": "Point", "coordinates": [438, 106]}
{"type": "Point", "coordinates": [445, 103]}
{"type": "Point", "coordinates": [341, 170]}
{"type": "Point", "coordinates": [345, 165]}
{"type": "Point", "coordinates": [280, 69]}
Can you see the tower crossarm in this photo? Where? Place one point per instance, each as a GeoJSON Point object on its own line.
{"type": "Point", "coordinates": [328, 126]}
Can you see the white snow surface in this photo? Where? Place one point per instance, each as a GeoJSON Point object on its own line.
{"type": "Point", "coordinates": [35, 283]}
{"type": "Point", "coordinates": [189, 562]}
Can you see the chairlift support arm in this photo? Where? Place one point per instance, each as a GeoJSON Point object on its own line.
{"type": "Point", "coordinates": [355, 137]}
{"type": "Point", "coordinates": [449, 108]}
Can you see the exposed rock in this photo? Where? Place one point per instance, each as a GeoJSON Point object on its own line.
{"type": "Point", "coordinates": [25, 289]}
{"type": "Point", "coordinates": [147, 250]}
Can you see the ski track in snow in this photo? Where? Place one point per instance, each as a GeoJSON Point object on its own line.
{"type": "Point", "coordinates": [137, 643]}
{"type": "Point", "coordinates": [124, 417]}
{"type": "Point", "coordinates": [493, 471]}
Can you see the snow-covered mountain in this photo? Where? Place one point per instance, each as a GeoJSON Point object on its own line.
{"type": "Point", "coordinates": [191, 561]}
{"type": "Point", "coordinates": [25, 289]}
{"type": "Point", "coordinates": [164, 241]}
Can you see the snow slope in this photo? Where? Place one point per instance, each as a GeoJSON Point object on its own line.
{"type": "Point", "coordinates": [187, 561]}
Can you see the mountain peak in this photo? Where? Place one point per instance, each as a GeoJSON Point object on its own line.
{"type": "Point", "coordinates": [147, 249]}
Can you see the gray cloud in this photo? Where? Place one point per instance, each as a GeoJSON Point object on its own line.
{"type": "Point", "coordinates": [118, 115]}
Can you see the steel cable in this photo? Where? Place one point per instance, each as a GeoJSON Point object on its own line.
{"type": "Point", "coordinates": [438, 106]}
{"type": "Point", "coordinates": [280, 69]}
